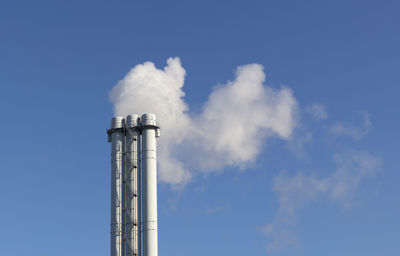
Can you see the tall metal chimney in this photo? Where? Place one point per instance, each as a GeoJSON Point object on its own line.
{"type": "Point", "coordinates": [133, 204]}
{"type": "Point", "coordinates": [134, 185]}
{"type": "Point", "coordinates": [116, 137]}
{"type": "Point", "coordinates": [149, 161]}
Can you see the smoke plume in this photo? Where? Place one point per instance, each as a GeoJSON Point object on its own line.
{"type": "Point", "coordinates": [230, 130]}
{"type": "Point", "coordinates": [295, 192]}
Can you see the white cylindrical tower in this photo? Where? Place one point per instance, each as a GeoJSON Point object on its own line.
{"type": "Point", "coordinates": [116, 137]}
{"type": "Point", "coordinates": [132, 191]}
{"type": "Point", "coordinates": [149, 171]}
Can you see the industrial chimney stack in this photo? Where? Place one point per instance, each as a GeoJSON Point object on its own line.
{"type": "Point", "coordinates": [134, 185]}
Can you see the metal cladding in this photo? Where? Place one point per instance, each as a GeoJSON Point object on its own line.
{"type": "Point", "coordinates": [117, 122]}
{"type": "Point", "coordinates": [134, 185]}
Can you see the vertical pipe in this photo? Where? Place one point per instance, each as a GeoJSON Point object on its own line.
{"type": "Point", "coordinates": [117, 144]}
{"type": "Point", "coordinates": [132, 190]}
{"type": "Point", "coordinates": [149, 182]}
{"type": "Point", "coordinates": [123, 196]}
{"type": "Point", "coordinates": [139, 182]}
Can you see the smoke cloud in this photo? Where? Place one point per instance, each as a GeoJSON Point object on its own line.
{"type": "Point", "coordinates": [230, 130]}
{"type": "Point", "coordinates": [295, 192]}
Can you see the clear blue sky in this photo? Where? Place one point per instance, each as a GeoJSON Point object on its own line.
{"type": "Point", "coordinates": [59, 60]}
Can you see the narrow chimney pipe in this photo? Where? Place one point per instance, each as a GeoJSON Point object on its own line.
{"type": "Point", "coordinates": [117, 147]}
{"type": "Point", "coordinates": [133, 203]}
{"type": "Point", "coordinates": [149, 165]}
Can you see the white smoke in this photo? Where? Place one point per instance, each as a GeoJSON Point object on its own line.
{"type": "Point", "coordinates": [231, 129]}
{"type": "Point", "coordinates": [295, 192]}
{"type": "Point", "coordinates": [355, 131]}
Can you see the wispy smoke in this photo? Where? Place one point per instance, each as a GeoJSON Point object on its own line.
{"type": "Point", "coordinates": [356, 132]}
{"type": "Point", "coordinates": [230, 130]}
{"type": "Point", "coordinates": [317, 111]}
{"type": "Point", "coordinates": [294, 192]}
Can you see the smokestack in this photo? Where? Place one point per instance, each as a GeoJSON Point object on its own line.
{"type": "Point", "coordinates": [133, 182]}
{"type": "Point", "coordinates": [150, 131]}
{"type": "Point", "coordinates": [116, 137]}
{"type": "Point", "coordinates": [132, 186]}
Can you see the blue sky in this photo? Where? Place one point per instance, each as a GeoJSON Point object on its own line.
{"type": "Point", "coordinates": [329, 189]}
